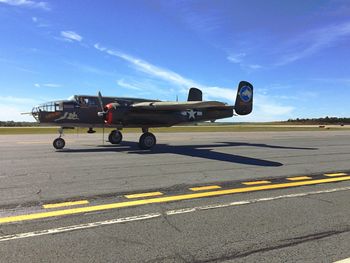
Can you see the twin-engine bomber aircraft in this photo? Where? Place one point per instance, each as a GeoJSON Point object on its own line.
{"type": "Point", "coordinates": [98, 111]}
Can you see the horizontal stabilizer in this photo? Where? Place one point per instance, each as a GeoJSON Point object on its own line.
{"type": "Point", "coordinates": [179, 105]}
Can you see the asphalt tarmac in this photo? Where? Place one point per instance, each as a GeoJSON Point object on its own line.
{"type": "Point", "coordinates": [268, 197]}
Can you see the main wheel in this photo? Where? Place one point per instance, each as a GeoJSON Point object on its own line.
{"type": "Point", "coordinates": [147, 141]}
{"type": "Point", "coordinates": [59, 143]}
{"type": "Point", "coordinates": [115, 137]}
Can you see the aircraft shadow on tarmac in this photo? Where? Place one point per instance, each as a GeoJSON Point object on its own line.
{"type": "Point", "coordinates": [206, 151]}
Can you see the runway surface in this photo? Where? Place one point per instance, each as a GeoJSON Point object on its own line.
{"type": "Point", "coordinates": [196, 197]}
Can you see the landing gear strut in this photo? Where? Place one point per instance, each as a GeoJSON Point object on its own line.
{"type": "Point", "coordinates": [115, 137]}
{"type": "Point", "coordinates": [59, 143]}
{"type": "Point", "coordinates": [147, 140]}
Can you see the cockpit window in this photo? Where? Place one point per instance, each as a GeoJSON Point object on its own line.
{"type": "Point", "coordinates": [59, 106]}
{"type": "Point", "coordinates": [47, 107]}
{"type": "Point", "coordinates": [87, 101]}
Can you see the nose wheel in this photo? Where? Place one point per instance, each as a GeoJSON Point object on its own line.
{"type": "Point", "coordinates": [59, 143]}
{"type": "Point", "coordinates": [147, 141]}
{"type": "Point", "coordinates": [115, 137]}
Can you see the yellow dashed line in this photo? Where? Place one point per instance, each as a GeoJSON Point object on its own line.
{"type": "Point", "coordinates": [143, 195]}
{"type": "Point", "coordinates": [82, 202]}
{"type": "Point", "coordinates": [299, 178]}
{"type": "Point", "coordinates": [256, 182]}
{"type": "Point", "coordinates": [202, 188]}
{"type": "Point", "coordinates": [165, 199]}
{"type": "Point", "coordinates": [335, 174]}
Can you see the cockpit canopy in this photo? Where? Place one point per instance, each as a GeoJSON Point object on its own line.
{"type": "Point", "coordinates": [91, 101]}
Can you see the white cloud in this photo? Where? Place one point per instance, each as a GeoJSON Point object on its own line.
{"type": "Point", "coordinates": [89, 69]}
{"type": "Point", "coordinates": [39, 22]}
{"type": "Point", "coordinates": [71, 36]}
{"type": "Point", "coordinates": [27, 3]}
{"type": "Point", "coordinates": [14, 100]}
{"type": "Point", "coordinates": [313, 42]}
{"type": "Point", "coordinates": [170, 76]}
{"type": "Point", "coordinates": [12, 107]}
{"type": "Point", "coordinates": [265, 107]}
{"type": "Point", "coordinates": [239, 59]}
{"type": "Point", "coordinates": [13, 113]}
{"type": "Point", "coordinates": [255, 66]}
{"type": "Point", "coordinates": [48, 85]}
{"type": "Point", "coordinates": [124, 84]}
{"type": "Point", "coordinates": [236, 58]}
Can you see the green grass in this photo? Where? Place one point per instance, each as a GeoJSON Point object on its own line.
{"type": "Point", "coordinates": [200, 128]}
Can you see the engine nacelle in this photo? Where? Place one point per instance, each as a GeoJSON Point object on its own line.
{"type": "Point", "coordinates": [111, 113]}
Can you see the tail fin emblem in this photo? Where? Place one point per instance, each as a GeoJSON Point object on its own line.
{"type": "Point", "coordinates": [246, 94]}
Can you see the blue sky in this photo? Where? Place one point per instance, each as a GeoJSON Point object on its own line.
{"type": "Point", "coordinates": [295, 53]}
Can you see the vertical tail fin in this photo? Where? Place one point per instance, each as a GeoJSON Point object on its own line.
{"type": "Point", "coordinates": [244, 99]}
{"type": "Point", "coordinates": [194, 95]}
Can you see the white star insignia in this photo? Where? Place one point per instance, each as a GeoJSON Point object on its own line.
{"type": "Point", "coordinates": [191, 114]}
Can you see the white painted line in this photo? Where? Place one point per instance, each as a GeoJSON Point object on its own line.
{"type": "Point", "coordinates": [347, 260]}
{"type": "Point", "coordinates": [156, 215]}
{"type": "Point", "coordinates": [77, 227]}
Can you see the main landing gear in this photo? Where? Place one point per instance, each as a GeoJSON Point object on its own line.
{"type": "Point", "coordinates": [59, 143]}
{"type": "Point", "coordinates": [146, 142]}
{"type": "Point", "coordinates": [147, 139]}
{"type": "Point", "coordinates": [115, 137]}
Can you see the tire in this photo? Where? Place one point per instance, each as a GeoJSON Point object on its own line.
{"type": "Point", "coordinates": [115, 137]}
{"type": "Point", "coordinates": [59, 143]}
{"type": "Point", "coordinates": [147, 141]}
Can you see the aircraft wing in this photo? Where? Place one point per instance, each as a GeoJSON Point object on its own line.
{"type": "Point", "coordinates": [165, 105]}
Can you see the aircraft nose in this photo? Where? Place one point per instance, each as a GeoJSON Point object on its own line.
{"type": "Point", "coordinates": [35, 113]}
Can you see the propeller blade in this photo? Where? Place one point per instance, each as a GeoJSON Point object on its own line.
{"type": "Point", "coordinates": [102, 112]}
{"type": "Point", "coordinates": [100, 100]}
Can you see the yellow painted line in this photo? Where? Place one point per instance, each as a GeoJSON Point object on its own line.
{"type": "Point", "coordinates": [299, 178]}
{"type": "Point", "coordinates": [256, 182]}
{"type": "Point", "coordinates": [335, 174]}
{"type": "Point", "coordinates": [165, 199]}
{"type": "Point", "coordinates": [82, 202]}
{"type": "Point", "coordinates": [143, 195]}
{"type": "Point", "coordinates": [202, 188]}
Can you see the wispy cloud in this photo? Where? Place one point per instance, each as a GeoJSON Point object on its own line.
{"type": "Point", "coordinates": [40, 22]}
{"type": "Point", "coordinates": [239, 59]}
{"type": "Point", "coordinates": [71, 36]}
{"type": "Point", "coordinates": [124, 84]}
{"type": "Point", "coordinates": [148, 68]}
{"type": "Point", "coordinates": [27, 3]}
{"type": "Point", "coordinates": [48, 85]}
{"type": "Point", "coordinates": [167, 75]}
{"type": "Point", "coordinates": [12, 99]}
{"type": "Point", "coordinates": [236, 58]}
{"type": "Point", "coordinates": [11, 108]}
{"type": "Point", "coordinates": [313, 42]}
{"type": "Point", "coordinates": [254, 66]}
{"type": "Point", "coordinates": [89, 69]}
{"type": "Point", "coordinates": [266, 107]}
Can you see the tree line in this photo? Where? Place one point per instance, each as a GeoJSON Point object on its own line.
{"type": "Point", "coordinates": [18, 124]}
{"type": "Point", "coordinates": [325, 120]}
